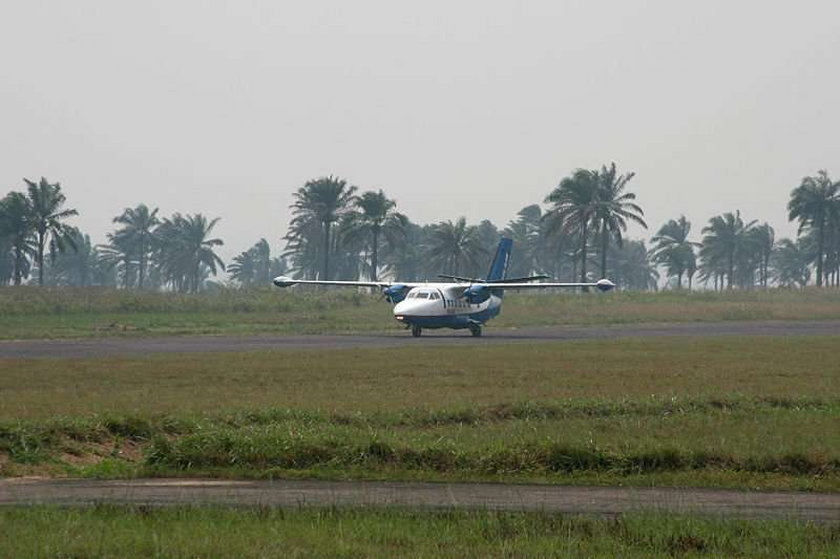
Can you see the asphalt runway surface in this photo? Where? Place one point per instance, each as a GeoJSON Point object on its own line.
{"type": "Point", "coordinates": [818, 507]}
{"type": "Point", "coordinates": [125, 346]}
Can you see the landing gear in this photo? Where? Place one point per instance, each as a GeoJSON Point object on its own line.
{"type": "Point", "coordinates": [416, 330]}
{"type": "Point", "coordinates": [475, 329]}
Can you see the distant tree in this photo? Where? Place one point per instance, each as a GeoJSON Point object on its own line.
{"type": "Point", "coordinates": [789, 264]}
{"type": "Point", "coordinates": [255, 266]}
{"type": "Point", "coordinates": [185, 252]}
{"type": "Point", "coordinates": [574, 203]}
{"type": "Point", "coordinates": [631, 268]}
{"type": "Point", "coordinates": [815, 203]}
{"type": "Point", "coordinates": [46, 219]}
{"type": "Point", "coordinates": [404, 257]}
{"type": "Point", "coordinates": [322, 202]}
{"type": "Point", "coordinates": [376, 216]}
{"type": "Point", "coordinates": [614, 207]}
{"type": "Point", "coordinates": [763, 239]}
{"type": "Point", "coordinates": [726, 240]}
{"type": "Point", "coordinates": [136, 236]}
{"type": "Point", "coordinates": [526, 231]}
{"type": "Point", "coordinates": [86, 266]}
{"type": "Point", "coordinates": [673, 250]}
{"type": "Point", "coordinates": [455, 247]}
{"type": "Point", "coordinates": [118, 255]}
{"type": "Point", "coordinates": [16, 233]}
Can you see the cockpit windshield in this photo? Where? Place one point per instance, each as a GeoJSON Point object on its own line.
{"type": "Point", "coordinates": [433, 295]}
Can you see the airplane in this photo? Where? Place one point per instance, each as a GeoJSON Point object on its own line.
{"type": "Point", "coordinates": [461, 303]}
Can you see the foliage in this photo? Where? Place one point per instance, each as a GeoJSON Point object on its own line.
{"type": "Point", "coordinates": [255, 266]}
{"type": "Point", "coordinates": [336, 232]}
{"type": "Point", "coordinates": [319, 205]}
{"type": "Point", "coordinates": [46, 217]}
{"type": "Point", "coordinates": [184, 251]}
{"type": "Point", "coordinates": [456, 248]}
{"type": "Point", "coordinates": [214, 531]}
{"type": "Point", "coordinates": [673, 250]}
{"type": "Point", "coordinates": [815, 203]}
{"type": "Point", "coordinates": [728, 251]}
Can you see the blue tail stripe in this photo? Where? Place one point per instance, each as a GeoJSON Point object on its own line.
{"type": "Point", "coordinates": [498, 268]}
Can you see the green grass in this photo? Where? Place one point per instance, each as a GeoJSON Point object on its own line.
{"type": "Point", "coordinates": [124, 532]}
{"type": "Point", "coordinates": [734, 412]}
{"type": "Point", "coordinates": [33, 312]}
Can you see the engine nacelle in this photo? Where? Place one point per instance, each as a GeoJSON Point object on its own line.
{"type": "Point", "coordinates": [476, 294]}
{"type": "Point", "coordinates": [395, 293]}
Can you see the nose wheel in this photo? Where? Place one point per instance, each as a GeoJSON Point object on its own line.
{"type": "Point", "coordinates": [475, 330]}
{"type": "Point", "coordinates": [416, 330]}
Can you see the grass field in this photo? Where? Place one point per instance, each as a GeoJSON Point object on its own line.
{"type": "Point", "coordinates": [220, 532]}
{"type": "Point", "coordinates": [32, 312]}
{"type": "Point", "coordinates": [751, 412]}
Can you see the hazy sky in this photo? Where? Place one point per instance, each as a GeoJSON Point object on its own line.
{"type": "Point", "coordinates": [452, 107]}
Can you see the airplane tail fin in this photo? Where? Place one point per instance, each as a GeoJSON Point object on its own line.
{"type": "Point", "coordinates": [498, 268]}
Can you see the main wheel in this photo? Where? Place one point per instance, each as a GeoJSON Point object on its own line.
{"type": "Point", "coordinates": [416, 330]}
{"type": "Point", "coordinates": [475, 329]}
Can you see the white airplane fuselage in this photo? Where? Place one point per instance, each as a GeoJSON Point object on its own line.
{"type": "Point", "coordinates": [442, 305]}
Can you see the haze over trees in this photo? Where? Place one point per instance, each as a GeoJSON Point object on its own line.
{"type": "Point", "coordinates": [338, 231]}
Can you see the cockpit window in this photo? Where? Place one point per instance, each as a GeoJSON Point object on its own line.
{"type": "Point", "coordinates": [411, 295]}
{"type": "Point", "coordinates": [423, 295]}
{"type": "Point", "coordinates": [434, 296]}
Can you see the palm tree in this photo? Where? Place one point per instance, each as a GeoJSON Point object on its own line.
{"type": "Point", "coordinates": [526, 233]}
{"type": "Point", "coordinates": [323, 201]}
{"type": "Point", "coordinates": [574, 205]}
{"type": "Point", "coordinates": [454, 247]}
{"type": "Point", "coordinates": [726, 240]}
{"type": "Point", "coordinates": [254, 266]}
{"type": "Point", "coordinates": [16, 229]}
{"type": "Point", "coordinates": [763, 238]}
{"type": "Point", "coordinates": [673, 250]}
{"type": "Point", "coordinates": [789, 263]}
{"type": "Point", "coordinates": [184, 251]}
{"type": "Point", "coordinates": [815, 203]}
{"type": "Point", "coordinates": [138, 235]}
{"type": "Point", "coordinates": [84, 267]}
{"type": "Point", "coordinates": [377, 216]}
{"type": "Point", "coordinates": [118, 255]}
{"type": "Point", "coordinates": [631, 268]}
{"type": "Point", "coordinates": [613, 208]}
{"type": "Point", "coordinates": [46, 201]}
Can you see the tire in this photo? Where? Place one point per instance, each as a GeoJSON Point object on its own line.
{"type": "Point", "coordinates": [475, 330]}
{"type": "Point", "coordinates": [416, 330]}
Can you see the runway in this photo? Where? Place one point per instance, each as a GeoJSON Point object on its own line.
{"type": "Point", "coordinates": [818, 507]}
{"type": "Point", "coordinates": [134, 346]}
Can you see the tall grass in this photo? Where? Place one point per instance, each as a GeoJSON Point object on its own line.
{"type": "Point", "coordinates": [536, 440]}
{"type": "Point", "coordinates": [109, 531]}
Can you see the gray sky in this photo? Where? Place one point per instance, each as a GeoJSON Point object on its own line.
{"type": "Point", "coordinates": [452, 107]}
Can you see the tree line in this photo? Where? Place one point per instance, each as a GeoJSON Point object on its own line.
{"type": "Point", "coordinates": [337, 232]}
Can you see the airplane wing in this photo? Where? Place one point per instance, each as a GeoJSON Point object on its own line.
{"type": "Point", "coordinates": [602, 285]}
{"type": "Point", "coordinates": [284, 281]}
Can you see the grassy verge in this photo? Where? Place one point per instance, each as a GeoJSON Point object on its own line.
{"type": "Point", "coordinates": [752, 413]}
{"type": "Point", "coordinates": [754, 443]}
{"type": "Point", "coordinates": [32, 312]}
{"type": "Point", "coordinates": [215, 532]}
